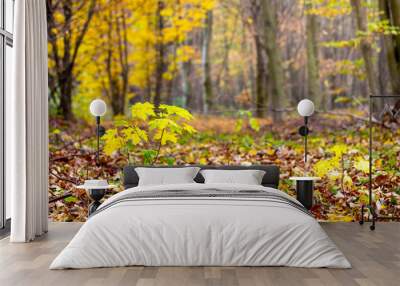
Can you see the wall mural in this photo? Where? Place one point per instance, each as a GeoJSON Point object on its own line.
{"type": "Point", "coordinates": [217, 82]}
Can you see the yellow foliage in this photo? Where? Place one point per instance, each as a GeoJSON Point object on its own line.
{"type": "Point", "coordinates": [175, 110]}
{"type": "Point", "coordinates": [252, 152]}
{"type": "Point", "coordinates": [270, 151]}
{"type": "Point", "coordinates": [347, 181]}
{"type": "Point", "coordinates": [165, 136]}
{"type": "Point", "coordinates": [339, 150]}
{"type": "Point", "coordinates": [337, 218]}
{"type": "Point", "coordinates": [161, 126]}
{"type": "Point", "coordinates": [126, 26]}
{"type": "Point", "coordinates": [185, 53]}
{"type": "Point", "coordinates": [323, 167]}
{"type": "Point", "coordinates": [254, 124]}
{"type": "Point", "coordinates": [361, 164]}
{"type": "Point", "coordinates": [364, 199]}
{"type": "Point", "coordinates": [113, 142]}
{"type": "Point", "coordinates": [162, 123]}
{"type": "Point", "coordinates": [334, 175]}
{"type": "Point", "coordinates": [329, 8]}
{"type": "Point", "coordinates": [203, 161]}
{"type": "Point", "coordinates": [188, 128]}
{"type": "Point", "coordinates": [246, 119]}
{"type": "Point", "coordinates": [239, 125]}
{"type": "Point", "coordinates": [142, 111]}
{"type": "Point", "coordinates": [135, 134]}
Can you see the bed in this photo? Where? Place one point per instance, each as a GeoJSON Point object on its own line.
{"type": "Point", "coordinates": [198, 224]}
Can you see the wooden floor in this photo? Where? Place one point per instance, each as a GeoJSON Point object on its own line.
{"type": "Point", "coordinates": [375, 257]}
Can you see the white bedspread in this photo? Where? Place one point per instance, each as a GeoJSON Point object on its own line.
{"type": "Point", "coordinates": [200, 231]}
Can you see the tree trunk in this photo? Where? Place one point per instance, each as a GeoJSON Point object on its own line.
{"type": "Point", "coordinates": [149, 86]}
{"type": "Point", "coordinates": [261, 90]}
{"type": "Point", "coordinates": [186, 71]}
{"type": "Point", "coordinates": [65, 87]}
{"type": "Point", "coordinates": [62, 74]}
{"type": "Point", "coordinates": [160, 51]}
{"type": "Point", "coordinates": [389, 11]}
{"type": "Point", "coordinates": [65, 81]}
{"type": "Point", "coordinates": [313, 79]}
{"type": "Point", "coordinates": [366, 49]}
{"type": "Point", "coordinates": [207, 81]}
{"type": "Point", "coordinates": [170, 83]}
{"type": "Point", "coordinates": [252, 85]}
{"type": "Point", "coordinates": [117, 87]}
{"type": "Point", "coordinates": [123, 61]}
{"type": "Point", "coordinates": [395, 21]}
{"type": "Point", "coordinates": [274, 58]}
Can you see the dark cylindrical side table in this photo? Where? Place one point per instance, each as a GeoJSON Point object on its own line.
{"type": "Point", "coordinates": [95, 189]}
{"type": "Point", "coordinates": [304, 190]}
{"type": "Point", "coordinates": [96, 195]}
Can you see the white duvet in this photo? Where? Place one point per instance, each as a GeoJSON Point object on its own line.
{"type": "Point", "coordinates": [200, 231]}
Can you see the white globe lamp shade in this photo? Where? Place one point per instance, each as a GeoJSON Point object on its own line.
{"type": "Point", "coordinates": [305, 107]}
{"type": "Point", "coordinates": [98, 107]}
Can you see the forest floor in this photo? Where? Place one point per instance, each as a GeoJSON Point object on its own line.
{"type": "Point", "coordinates": [338, 196]}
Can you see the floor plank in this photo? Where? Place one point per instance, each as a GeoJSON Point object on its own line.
{"type": "Point", "coordinates": [375, 257]}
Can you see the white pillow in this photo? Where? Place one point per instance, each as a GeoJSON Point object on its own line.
{"type": "Point", "coordinates": [166, 176]}
{"type": "Point", "coordinates": [248, 177]}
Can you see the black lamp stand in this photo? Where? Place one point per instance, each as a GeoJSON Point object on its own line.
{"type": "Point", "coordinates": [100, 131]}
{"type": "Point", "coordinates": [305, 185]}
{"type": "Point", "coordinates": [370, 207]}
{"type": "Point", "coordinates": [304, 131]}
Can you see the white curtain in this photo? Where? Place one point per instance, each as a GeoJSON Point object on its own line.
{"type": "Point", "coordinates": [27, 124]}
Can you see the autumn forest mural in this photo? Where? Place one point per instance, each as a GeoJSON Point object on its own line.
{"type": "Point", "coordinates": [227, 75]}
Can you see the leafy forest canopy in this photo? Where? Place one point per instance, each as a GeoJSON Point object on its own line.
{"type": "Point", "coordinates": [221, 55]}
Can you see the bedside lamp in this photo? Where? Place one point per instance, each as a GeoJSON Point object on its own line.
{"type": "Point", "coordinates": [305, 185]}
{"type": "Point", "coordinates": [305, 108]}
{"type": "Point", "coordinates": [98, 108]}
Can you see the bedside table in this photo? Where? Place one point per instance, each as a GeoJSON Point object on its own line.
{"type": "Point", "coordinates": [95, 189]}
{"type": "Point", "coordinates": [305, 189]}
